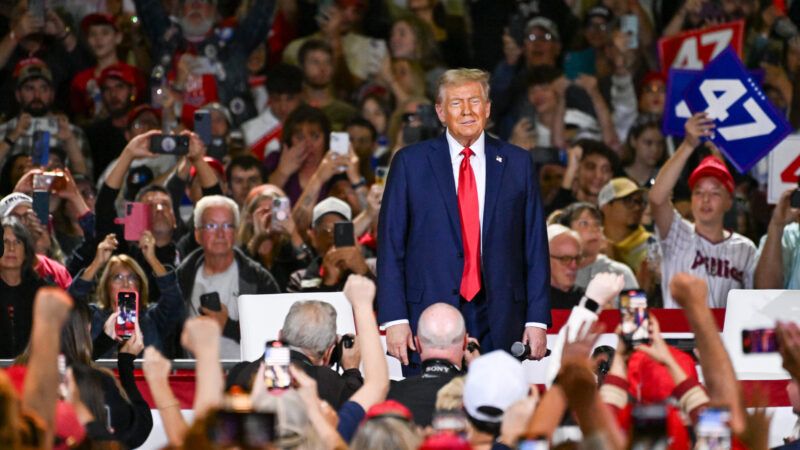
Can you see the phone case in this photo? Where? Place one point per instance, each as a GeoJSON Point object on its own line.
{"type": "Point", "coordinates": [136, 221]}
{"type": "Point", "coordinates": [202, 126]}
{"type": "Point", "coordinates": [128, 316]}
{"type": "Point", "coordinates": [340, 142]}
{"type": "Point", "coordinates": [343, 234]}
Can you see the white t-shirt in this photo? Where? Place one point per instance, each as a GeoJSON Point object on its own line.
{"type": "Point", "coordinates": [226, 284]}
{"type": "Point", "coordinates": [726, 265]}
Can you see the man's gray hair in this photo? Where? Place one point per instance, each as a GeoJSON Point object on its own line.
{"type": "Point", "coordinates": [441, 326]}
{"type": "Point", "coordinates": [458, 77]}
{"type": "Point", "coordinates": [212, 201]}
{"type": "Point", "coordinates": [310, 326]}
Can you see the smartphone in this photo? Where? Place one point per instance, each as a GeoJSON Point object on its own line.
{"type": "Point", "coordinates": [343, 234]}
{"type": "Point", "coordinates": [169, 144]}
{"type": "Point", "coordinates": [712, 430]}
{"type": "Point", "coordinates": [635, 317]}
{"type": "Point", "coordinates": [452, 420]}
{"type": "Point", "coordinates": [218, 149]}
{"type": "Point", "coordinates": [41, 206]}
{"type": "Point", "coordinates": [51, 181]}
{"type": "Point", "coordinates": [762, 340]}
{"type": "Point", "coordinates": [242, 429]}
{"type": "Point", "coordinates": [36, 7]}
{"type": "Point", "coordinates": [136, 221]}
{"type": "Point", "coordinates": [211, 301]}
{"type": "Point", "coordinates": [281, 208]}
{"type": "Point", "coordinates": [128, 308]}
{"type": "Point", "coordinates": [578, 62]}
{"type": "Point", "coordinates": [202, 125]}
{"type": "Point", "coordinates": [340, 142]}
{"type": "Point", "coordinates": [629, 25]}
{"type": "Point", "coordinates": [533, 444]}
{"type": "Point", "coordinates": [40, 154]}
{"type": "Point", "coordinates": [276, 366]}
{"type": "Point", "coordinates": [381, 173]}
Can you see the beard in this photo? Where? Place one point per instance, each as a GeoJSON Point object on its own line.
{"type": "Point", "coordinates": [36, 108]}
{"type": "Point", "coordinates": [195, 29]}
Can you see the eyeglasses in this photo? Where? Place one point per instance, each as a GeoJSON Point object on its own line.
{"type": "Point", "coordinates": [567, 259]}
{"type": "Point", "coordinates": [546, 37]}
{"type": "Point", "coordinates": [216, 226]}
{"type": "Point", "coordinates": [125, 278]}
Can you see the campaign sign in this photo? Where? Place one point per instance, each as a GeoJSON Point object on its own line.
{"type": "Point", "coordinates": [748, 126]}
{"type": "Point", "coordinates": [784, 168]}
{"type": "Point", "coordinates": [676, 111]}
{"type": "Point", "coordinates": [695, 49]}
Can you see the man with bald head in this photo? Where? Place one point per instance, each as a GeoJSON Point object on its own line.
{"type": "Point", "coordinates": [441, 341]}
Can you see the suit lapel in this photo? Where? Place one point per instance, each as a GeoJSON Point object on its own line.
{"type": "Point", "coordinates": [495, 163]}
{"type": "Point", "coordinates": [442, 166]}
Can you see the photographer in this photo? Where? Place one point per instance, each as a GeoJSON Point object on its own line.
{"type": "Point", "coordinates": [442, 345]}
{"type": "Point", "coordinates": [309, 330]}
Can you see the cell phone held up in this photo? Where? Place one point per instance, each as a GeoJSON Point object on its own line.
{"type": "Point", "coordinates": [136, 220]}
{"type": "Point", "coordinates": [343, 234]}
{"type": "Point", "coordinates": [635, 318]}
{"type": "Point", "coordinates": [211, 301]}
{"type": "Point", "coordinates": [242, 429]}
{"type": "Point", "coordinates": [276, 366]}
{"type": "Point", "coordinates": [762, 340]}
{"type": "Point", "coordinates": [169, 144]}
{"type": "Point", "coordinates": [128, 309]}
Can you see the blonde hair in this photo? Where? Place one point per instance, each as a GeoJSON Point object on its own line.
{"type": "Point", "coordinates": [386, 432]}
{"type": "Point", "coordinates": [102, 285]}
{"type": "Point", "coordinates": [451, 395]}
{"type": "Point", "coordinates": [459, 77]}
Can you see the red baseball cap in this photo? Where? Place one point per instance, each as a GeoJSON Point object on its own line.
{"type": "Point", "coordinates": [389, 408]}
{"type": "Point", "coordinates": [97, 19]}
{"type": "Point", "coordinates": [445, 441]}
{"type": "Point", "coordinates": [215, 164]}
{"type": "Point", "coordinates": [31, 68]}
{"type": "Point", "coordinates": [650, 77]}
{"type": "Point", "coordinates": [120, 71]}
{"type": "Point", "coordinates": [141, 109]}
{"type": "Point", "coordinates": [711, 166]}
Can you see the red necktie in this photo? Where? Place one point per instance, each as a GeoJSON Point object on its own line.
{"type": "Point", "coordinates": [470, 228]}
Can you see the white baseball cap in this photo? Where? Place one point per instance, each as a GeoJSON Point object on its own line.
{"type": "Point", "coordinates": [331, 205]}
{"type": "Point", "coordinates": [11, 201]}
{"type": "Point", "coordinates": [494, 382]}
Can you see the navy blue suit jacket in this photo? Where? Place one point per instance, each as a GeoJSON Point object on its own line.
{"type": "Point", "coordinates": [420, 252]}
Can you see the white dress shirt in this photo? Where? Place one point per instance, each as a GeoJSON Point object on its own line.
{"type": "Point", "coordinates": [478, 163]}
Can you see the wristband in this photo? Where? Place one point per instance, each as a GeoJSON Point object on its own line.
{"type": "Point", "coordinates": [589, 304]}
{"type": "Point", "coordinates": [361, 182]}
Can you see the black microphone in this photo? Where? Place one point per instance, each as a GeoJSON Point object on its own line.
{"type": "Point", "coordinates": [522, 351]}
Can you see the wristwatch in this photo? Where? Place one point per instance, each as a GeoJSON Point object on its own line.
{"type": "Point", "coordinates": [589, 304]}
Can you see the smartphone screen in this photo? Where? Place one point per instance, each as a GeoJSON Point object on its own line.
{"type": "Point", "coordinates": [340, 142]}
{"type": "Point", "coordinates": [242, 429]}
{"type": "Point", "coordinates": [202, 126]}
{"type": "Point", "coordinates": [712, 430]}
{"type": "Point", "coordinates": [281, 208]}
{"type": "Point", "coordinates": [127, 305]}
{"type": "Point", "coordinates": [629, 24]}
{"type": "Point", "coordinates": [276, 367]}
{"type": "Point", "coordinates": [40, 155]}
{"type": "Point", "coordinates": [36, 7]}
{"type": "Point", "coordinates": [762, 340]}
{"type": "Point", "coordinates": [343, 234]}
{"type": "Point", "coordinates": [635, 317]}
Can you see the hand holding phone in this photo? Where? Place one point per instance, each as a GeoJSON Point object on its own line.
{"type": "Point", "coordinates": [136, 220]}
{"type": "Point", "coordinates": [169, 144]}
{"type": "Point", "coordinates": [343, 234]}
{"type": "Point", "coordinates": [211, 301]}
{"type": "Point", "coordinates": [281, 210]}
{"type": "Point", "coordinates": [276, 366]}
{"type": "Point", "coordinates": [635, 318]}
{"type": "Point", "coordinates": [340, 143]}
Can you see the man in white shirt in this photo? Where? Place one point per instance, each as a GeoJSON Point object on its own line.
{"type": "Point", "coordinates": [724, 259]}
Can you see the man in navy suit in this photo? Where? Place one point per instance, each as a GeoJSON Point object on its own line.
{"type": "Point", "coordinates": [462, 223]}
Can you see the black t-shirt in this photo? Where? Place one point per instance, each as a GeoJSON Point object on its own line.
{"type": "Point", "coordinates": [565, 300]}
{"type": "Point", "coordinates": [16, 315]}
{"type": "Point", "coordinates": [106, 142]}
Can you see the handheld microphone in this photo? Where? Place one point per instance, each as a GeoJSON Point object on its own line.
{"type": "Point", "coordinates": [522, 351]}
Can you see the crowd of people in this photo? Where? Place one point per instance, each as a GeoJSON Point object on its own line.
{"type": "Point", "coordinates": [161, 158]}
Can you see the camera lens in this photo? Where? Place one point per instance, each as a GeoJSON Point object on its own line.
{"type": "Point", "coordinates": [168, 144]}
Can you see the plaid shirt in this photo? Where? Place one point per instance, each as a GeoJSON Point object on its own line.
{"type": "Point", "coordinates": [24, 144]}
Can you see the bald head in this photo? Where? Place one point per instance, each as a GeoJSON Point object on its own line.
{"type": "Point", "coordinates": [441, 333]}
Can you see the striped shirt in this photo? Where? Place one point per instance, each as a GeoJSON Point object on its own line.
{"type": "Point", "coordinates": [726, 265]}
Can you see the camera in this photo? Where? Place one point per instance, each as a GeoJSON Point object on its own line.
{"type": "Point", "coordinates": [169, 144]}
{"type": "Point", "coordinates": [347, 341]}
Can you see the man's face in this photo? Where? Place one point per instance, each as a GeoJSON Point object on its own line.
{"type": "Point", "coordinates": [242, 180]}
{"type": "Point", "coordinates": [117, 97]}
{"type": "Point", "coordinates": [626, 211]}
{"type": "Point", "coordinates": [218, 240]}
{"type": "Point", "coordinates": [322, 233]}
{"type": "Point", "coordinates": [464, 109]}
{"type": "Point", "coordinates": [541, 47]}
{"type": "Point", "coordinates": [283, 104]}
{"type": "Point", "coordinates": [197, 17]}
{"type": "Point", "coordinates": [550, 177]}
{"type": "Point", "coordinates": [318, 69]}
{"type": "Point", "coordinates": [35, 97]}
{"type": "Point", "coordinates": [103, 40]}
{"type": "Point", "coordinates": [596, 32]}
{"type": "Point", "coordinates": [162, 216]}
{"type": "Point", "coordinates": [653, 96]}
{"type": "Point", "coordinates": [710, 201]}
{"type": "Point", "coordinates": [219, 124]}
{"type": "Point", "coordinates": [564, 255]}
{"type": "Point", "coordinates": [362, 141]}
{"type": "Point", "coordinates": [590, 229]}
{"type": "Point", "coordinates": [593, 173]}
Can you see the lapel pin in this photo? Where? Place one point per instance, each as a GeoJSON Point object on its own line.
{"type": "Point", "coordinates": [498, 159]}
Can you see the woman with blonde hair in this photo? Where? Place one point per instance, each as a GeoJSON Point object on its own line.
{"type": "Point", "coordinates": [122, 273]}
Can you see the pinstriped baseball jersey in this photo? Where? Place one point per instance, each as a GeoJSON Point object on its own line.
{"type": "Point", "coordinates": [726, 265]}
